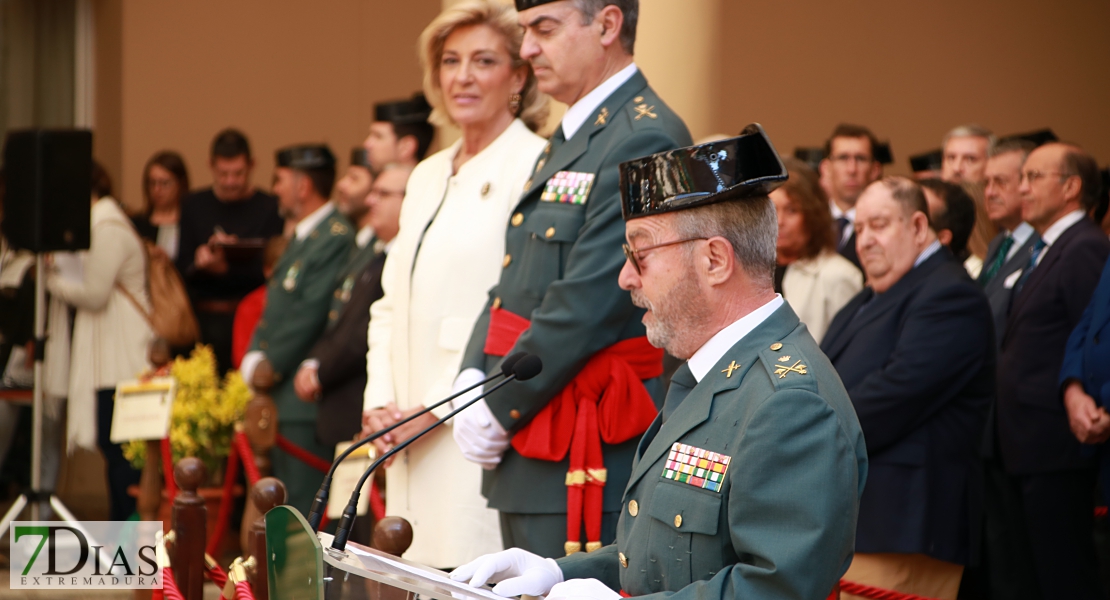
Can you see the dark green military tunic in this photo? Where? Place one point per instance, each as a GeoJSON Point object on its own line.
{"type": "Point", "coordinates": [751, 488]}
{"type": "Point", "coordinates": [348, 276]}
{"type": "Point", "coordinates": [298, 298]}
{"type": "Point", "coordinates": [562, 258]}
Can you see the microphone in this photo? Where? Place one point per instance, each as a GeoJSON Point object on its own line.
{"type": "Point", "coordinates": [320, 502]}
{"type": "Point", "coordinates": [526, 367]}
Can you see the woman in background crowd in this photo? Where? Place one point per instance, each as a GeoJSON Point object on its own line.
{"type": "Point", "coordinates": [812, 277]}
{"type": "Point", "coordinates": [111, 334]}
{"type": "Point", "coordinates": [165, 183]}
{"type": "Point", "coordinates": [446, 257]}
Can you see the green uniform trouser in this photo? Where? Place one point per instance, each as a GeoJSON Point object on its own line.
{"type": "Point", "coordinates": [301, 481]}
{"type": "Point", "coordinates": [546, 535]}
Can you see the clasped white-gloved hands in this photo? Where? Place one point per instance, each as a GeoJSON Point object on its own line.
{"type": "Point", "coordinates": [479, 435]}
{"type": "Point", "coordinates": [515, 571]}
{"type": "Point", "coordinates": [582, 589]}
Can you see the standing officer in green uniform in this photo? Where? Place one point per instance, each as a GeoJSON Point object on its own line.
{"type": "Point", "coordinates": [558, 296]}
{"type": "Point", "coordinates": [748, 483]}
{"type": "Point", "coordinates": [297, 302]}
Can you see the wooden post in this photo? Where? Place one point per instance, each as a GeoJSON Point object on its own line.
{"type": "Point", "coordinates": [150, 482]}
{"type": "Point", "coordinates": [189, 520]}
{"type": "Point", "coordinates": [260, 420]}
{"type": "Point", "coordinates": [265, 495]}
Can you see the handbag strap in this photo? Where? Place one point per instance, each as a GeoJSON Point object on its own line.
{"type": "Point", "coordinates": [146, 269]}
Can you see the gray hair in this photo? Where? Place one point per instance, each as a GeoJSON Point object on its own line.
{"type": "Point", "coordinates": [971, 130]}
{"type": "Point", "coordinates": [749, 225]}
{"type": "Point", "coordinates": [630, 8]}
{"type": "Point", "coordinates": [1012, 145]}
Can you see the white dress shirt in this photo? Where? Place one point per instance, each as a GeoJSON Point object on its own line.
{"type": "Point", "coordinates": [849, 214]}
{"type": "Point", "coordinates": [577, 114]}
{"type": "Point", "coordinates": [1057, 229]}
{"type": "Point", "coordinates": [712, 351]}
{"type": "Point", "coordinates": [1020, 234]}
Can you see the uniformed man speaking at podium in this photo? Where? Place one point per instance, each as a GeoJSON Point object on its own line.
{"type": "Point", "coordinates": [747, 485]}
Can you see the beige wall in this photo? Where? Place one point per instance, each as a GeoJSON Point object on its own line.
{"type": "Point", "coordinates": [169, 75]}
{"type": "Point", "coordinates": [283, 71]}
{"type": "Point", "coordinates": [911, 71]}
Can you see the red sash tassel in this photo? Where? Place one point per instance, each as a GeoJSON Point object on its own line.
{"type": "Point", "coordinates": [606, 401]}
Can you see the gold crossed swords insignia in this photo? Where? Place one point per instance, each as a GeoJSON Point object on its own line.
{"type": "Point", "coordinates": [729, 369]}
{"type": "Point", "coordinates": [602, 116]}
{"type": "Point", "coordinates": [643, 110]}
{"type": "Point", "coordinates": [782, 370]}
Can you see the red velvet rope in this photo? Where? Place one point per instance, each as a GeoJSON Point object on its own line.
{"type": "Point", "coordinates": [250, 469]}
{"type": "Point", "coordinates": [874, 593]}
{"type": "Point", "coordinates": [169, 587]}
{"type": "Point", "coordinates": [377, 505]}
{"type": "Point", "coordinates": [167, 468]}
{"type": "Point", "coordinates": [217, 575]}
{"type": "Point", "coordinates": [303, 455]}
{"type": "Point", "coordinates": [243, 591]}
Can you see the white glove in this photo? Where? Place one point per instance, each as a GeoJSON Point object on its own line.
{"type": "Point", "coordinates": [479, 436]}
{"type": "Point", "coordinates": [518, 571]}
{"type": "Point", "coordinates": [249, 364]}
{"type": "Point", "coordinates": [582, 589]}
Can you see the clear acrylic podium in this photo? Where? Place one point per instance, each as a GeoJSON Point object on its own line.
{"type": "Point", "coordinates": [301, 565]}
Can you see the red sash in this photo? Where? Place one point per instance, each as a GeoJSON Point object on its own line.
{"type": "Point", "coordinates": [606, 401]}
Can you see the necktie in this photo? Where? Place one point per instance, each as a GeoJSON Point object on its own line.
{"type": "Point", "coordinates": [999, 259]}
{"type": "Point", "coordinates": [681, 383]}
{"type": "Point", "coordinates": [841, 225]}
{"type": "Point", "coordinates": [1034, 254]}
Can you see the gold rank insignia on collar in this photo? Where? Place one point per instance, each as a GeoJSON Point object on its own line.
{"type": "Point", "coordinates": [602, 116]}
{"type": "Point", "coordinates": [643, 110]}
{"type": "Point", "coordinates": [338, 228]}
{"type": "Point", "coordinates": [782, 370]}
{"type": "Point", "coordinates": [732, 366]}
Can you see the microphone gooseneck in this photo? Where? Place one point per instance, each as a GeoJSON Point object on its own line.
{"type": "Point", "coordinates": [526, 367]}
{"type": "Point", "coordinates": [320, 501]}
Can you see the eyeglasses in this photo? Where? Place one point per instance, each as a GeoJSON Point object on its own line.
{"type": "Point", "coordinates": [1032, 176]}
{"type": "Point", "coordinates": [630, 254]}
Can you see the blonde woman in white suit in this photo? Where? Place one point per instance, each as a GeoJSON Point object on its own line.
{"type": "Point", "coordinates": [446, 257]}
{"type": "Point", "coordinates": [815, 280]}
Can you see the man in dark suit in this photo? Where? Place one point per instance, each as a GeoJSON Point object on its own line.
{"type": "Point", "coordinates": [849, 167]}
{"type": "Point", "coordinates": [1009, 250]}
{"type": "Point", "coordinates": [334, 374]}
{"type": "Point", "coordinates": [558, 296]}
{"type": "Point", "coordinates": [915, 352]}
{"type": "Point", "coordinates": [1052, 473]}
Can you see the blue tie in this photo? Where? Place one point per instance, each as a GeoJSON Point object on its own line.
{"type": "Point", "coordinates": [1034, 254]}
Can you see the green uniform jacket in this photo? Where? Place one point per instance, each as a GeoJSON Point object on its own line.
{"type": "Point", "coordinates": [560, 271]}
{"type": "Point", "coordinates": [783, 522]}
{"type": "Point", "coordinates": [298, 298]}
{"type": "Point", "coordinates": [357, 261]}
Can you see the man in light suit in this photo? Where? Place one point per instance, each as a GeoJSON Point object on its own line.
{"type": "Point", "coordinates": [748, 483]}
{"type": "Point", "coordinates": [1052, 473]}
{"type": "Point", "coordinates": [558, 296]}
{"type": "Point", "coordinates": [915, 352]}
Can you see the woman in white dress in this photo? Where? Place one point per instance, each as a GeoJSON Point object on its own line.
{"type": "Point", "coordinates": [446, 257]}
{"type": "Point", "coordinates": [815, 280]}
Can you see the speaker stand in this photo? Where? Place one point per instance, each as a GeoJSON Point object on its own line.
{"type": "Point", "coordinates": [35, 496]}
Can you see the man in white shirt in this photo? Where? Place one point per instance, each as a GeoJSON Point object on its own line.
{"type": "Point", "coordinates": [849, 167]}
{"type": "Point", "coordinates": [1049, 471]}
{"type": "Point", "coordinates": [558, 296]}
{"type": "Point", "coordinates": [747, 484]}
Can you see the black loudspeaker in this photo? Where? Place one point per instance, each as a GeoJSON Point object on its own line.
{"type": "Point", "coordinates": [49, 182]}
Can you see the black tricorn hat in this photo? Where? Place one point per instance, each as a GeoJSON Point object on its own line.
{"type": "Point", "coordinates": [306, 157]}
{"type": "Point", "coordinates": [526, 4]}
{"type": "Point", "coordinates": [747, 166]}
{"type": "Point", "coordinates": [927, 161]}
{"type": "Point", "coordinates": [811, 156]}
{"type": "Point", "coordinates": [1039, 137]}
{"type": "Point", "coordinates": [360, 158]}
{"type": "Point", "coordinates": [883, 154]}
{"type": "Point", "coordinates": [404, 112]}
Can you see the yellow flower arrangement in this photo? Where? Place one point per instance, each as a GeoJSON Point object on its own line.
{"type": "Point", "coordinates": [204, 412]}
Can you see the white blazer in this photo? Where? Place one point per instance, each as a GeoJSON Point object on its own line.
{"type": "Point", "coordinates": [817, 288]}
{"type": "Point", "coordinates": [111, 338]}
{"type": "Point", "coordinates": [420, 327]}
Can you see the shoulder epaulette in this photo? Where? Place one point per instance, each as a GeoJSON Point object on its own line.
{"type": "Point", "coordinates": [787, 367]}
